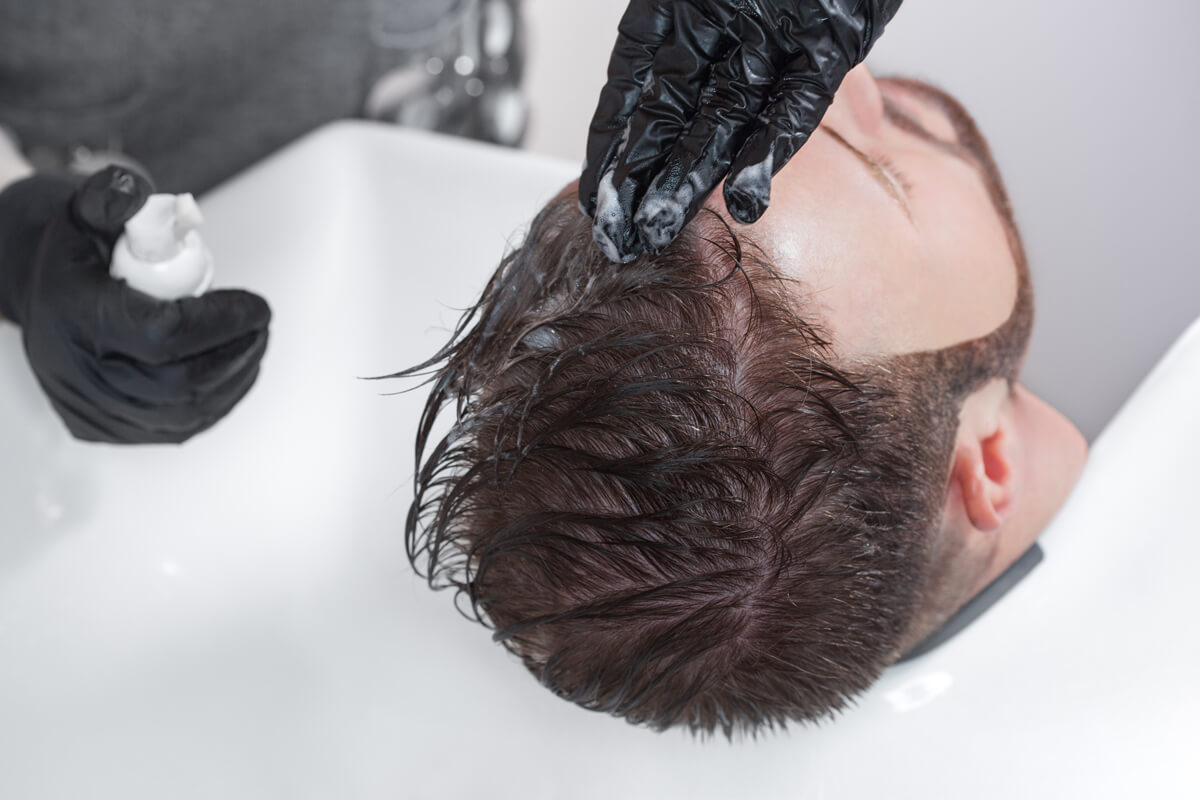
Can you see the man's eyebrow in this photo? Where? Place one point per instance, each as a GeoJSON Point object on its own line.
{"type": "Point", "coordinates": [877, 173]}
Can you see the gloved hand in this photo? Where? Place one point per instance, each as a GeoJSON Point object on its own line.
{"type": "Point", "coordinates": [118, 365]}
{"type": "Point", "coordinates": [698, 89]}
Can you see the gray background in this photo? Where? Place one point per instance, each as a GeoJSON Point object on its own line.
{"type": "Point", "coordinates": [1090, 108]}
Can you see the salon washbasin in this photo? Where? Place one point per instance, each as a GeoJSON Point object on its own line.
{"type": "Point", "coordinates": [235, 617]}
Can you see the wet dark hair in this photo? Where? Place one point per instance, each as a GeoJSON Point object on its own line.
{"type": "Point", "coordinates": [666, 493]}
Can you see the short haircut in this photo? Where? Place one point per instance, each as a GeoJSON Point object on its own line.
{"type": "Point", "coordinates": [670, 498]}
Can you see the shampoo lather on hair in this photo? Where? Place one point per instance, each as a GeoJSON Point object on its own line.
{"type": "Point", "coordinates": [161, 253]}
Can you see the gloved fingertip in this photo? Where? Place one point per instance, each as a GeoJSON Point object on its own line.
{"type": "Point", "coordinates": [748, 189]}
{"type": "Point", "coordinates": [249, 313]}
{"type": "Point", "coordinates": [234, 311]}
{"type": "Point", "coordinates": [743, 207]}
{"type": "Point", "coordinates": [747, 197]}
{"type": "Point", "coordinates": [107, 199]}
{"type": "Point", "coordinates": [612, 229]}
{"type": "Point", "coordinates": [260, 314]}
{"type": "Point", "coordinates": [659, 220]}
{"type": "Point", "coordinates": [618, 246]}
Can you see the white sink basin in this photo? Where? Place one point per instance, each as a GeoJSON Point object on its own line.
{"type": "Point", "coordinates": [235, 618]}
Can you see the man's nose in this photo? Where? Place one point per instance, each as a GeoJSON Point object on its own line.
{"type": "Point", "coordinates": [858, 103]}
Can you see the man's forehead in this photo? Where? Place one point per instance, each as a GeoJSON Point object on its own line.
{"type": "Point", "coordinates": [882, 292]}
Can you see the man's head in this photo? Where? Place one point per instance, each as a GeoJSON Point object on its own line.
{"type": "Point", "coordinates": [726, 485]}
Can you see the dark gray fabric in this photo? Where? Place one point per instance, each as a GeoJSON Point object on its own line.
{"type": "Point", "coordinates": [195, 90]}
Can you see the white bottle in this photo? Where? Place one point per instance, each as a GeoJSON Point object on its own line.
{"type": "Point", "coordinates": [161, 253]}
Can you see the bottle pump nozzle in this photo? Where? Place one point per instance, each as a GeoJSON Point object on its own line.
{"type": "Point", "coordinates": [161, 252]}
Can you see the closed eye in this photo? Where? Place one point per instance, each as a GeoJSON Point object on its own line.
{"type": "Point", "coordinates": [890, 183]}
{"type": "Point", "coordinates": [894, 172]}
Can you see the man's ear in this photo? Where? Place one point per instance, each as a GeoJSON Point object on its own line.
{"type": "Point", "coordinates": [985, 473]}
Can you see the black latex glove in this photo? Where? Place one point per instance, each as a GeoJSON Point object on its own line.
{"type": "Point", "coordinates": [701, 89]}
{"type": "Point", "coordinates": [118, 365]}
